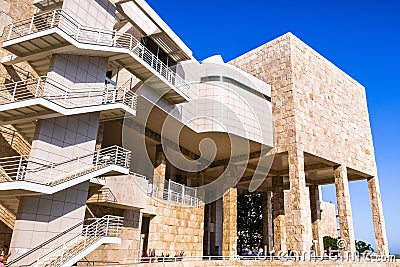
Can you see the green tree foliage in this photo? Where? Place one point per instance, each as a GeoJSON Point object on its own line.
{"type": "Point", "coordinates": [361, 246]}
{"type": "Point", "coordinates": [330, 242]}
{"type": "Point", "coordinates": [249, 221]}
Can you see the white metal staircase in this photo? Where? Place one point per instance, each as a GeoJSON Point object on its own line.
{"type": "Point", "coordinates": [57, 30]}
{"type": "Point", "coordinates": [38, 98]}
{"type": "Point", "coordinates": [66, 249]}
{"type": "Point", "coordinates": [27, 174]}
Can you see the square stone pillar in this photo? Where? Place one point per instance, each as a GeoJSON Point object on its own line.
{"type": "Point", "coordinates": [297, 218]}
{"type": "Point", "coordinates": [278, 216]}
{"type": "Point", "coordinates": [229, 229]}
{"type": "Point", "coordinates": [377, 216]}
{"type": "Point", "coordinates": [160, 169]}
{"type": "Point", "coordinates": [268, 234]}
{"type": "Point", "coordinates": [344, 207]}
{"type": "Point", "coordinates": [315, 205]}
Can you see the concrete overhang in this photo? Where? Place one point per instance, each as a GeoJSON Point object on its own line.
{"type": "Point", "coordinates": [141, 15]}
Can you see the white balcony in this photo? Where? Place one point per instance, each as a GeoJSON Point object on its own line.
{"type": "Point", "coordinates": [44, 34]}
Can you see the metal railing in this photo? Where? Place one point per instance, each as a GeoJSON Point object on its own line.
{"type": "Point", "coordinates": [32, 169]}
{"type": "Point", "coordinates": [89, 35]}
{"type": "Point", "coordinates": [107, 226]}
{"type": "Point", "coordinates": [179, 198]}
{"type": "Point", "coordinates": [16, 141]}
{"type": "Point", "coordinates": [44, 87]}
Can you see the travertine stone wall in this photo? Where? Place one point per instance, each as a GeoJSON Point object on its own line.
{"type": "Point", "coordinates": [378, 221]}
{"type": "Point", "coordinates": [160, 169]}
{"type": "Point", "coordinates": [316, 105]}
{"type": "Point", "coordinates": [297, 217]}
{"type": "Point", "coordinates": [13, 10]}
{"type": "Point", "coordinates": [268, 233]}
{"type": "Point", "coordinates": [329, 225]}
{"type": "Point", "coordinates": [176, 228]}
{"type": "Point", "coordinates": [316, 220]}
{"type": "Point", "coordinates": [278, 210]}
{"type": "Point", "coordinates": [344, 207]}
{"type": "Point", "coordinates": [229, 227]}
{"type": "Point", "coordinates": [130, 237]}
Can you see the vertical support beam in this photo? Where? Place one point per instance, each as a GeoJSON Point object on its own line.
{"type": "Point", "coordinates": [279, 215]}
{"type": "Point", "coordinates": [160, 169]}
{"type": "Point", "coordinates": [378, 220]}
{"type": "Point", "coordinates": [344, 207]}
{"type": "Point", "coordinates": [297, 219]}
{"type": "Point", "coordinates": [267, 222]}
{"type": "Point", "coordinates": [315, 205]}
{"type": "Point", "coordinates": [229, 229]}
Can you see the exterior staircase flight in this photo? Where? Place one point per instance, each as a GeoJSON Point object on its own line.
{"type": "Point", "coordinates": [31, 171]}
{"type": "Point", "coordinates": [68, 247]}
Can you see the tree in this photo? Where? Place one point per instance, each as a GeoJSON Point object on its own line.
{"type": "Point", "coordinates": [361, 246]}
{"type": "Point", "coordinates": [250, 221]}
{"type": "Point", "coordinates": [330, 242]}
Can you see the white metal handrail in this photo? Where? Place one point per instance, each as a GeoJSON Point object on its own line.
{"type": "Point", "coordinates": [32, 169]}
{"type": "Point", "coordinates": [89, 35]}
{"type": "Point", "coordinates": [173, 197]}
{"type": "Point", "coordinates": [107, 226]}
{"type": "Point", "coordinates": [44, 87]}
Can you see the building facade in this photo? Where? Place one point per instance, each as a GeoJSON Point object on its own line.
{"type": "Point", "coordinates": [116, 141]}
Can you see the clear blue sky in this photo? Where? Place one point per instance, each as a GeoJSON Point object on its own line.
{"type": "Point", "coordinates": [359, 36]}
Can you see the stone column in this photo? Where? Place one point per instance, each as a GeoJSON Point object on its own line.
{"type": "Point", "coordinates": [229, 229]}
{"type": "Point", "coordinates": [344, 207]}
{"type": "Point", "coordinates": [160, 169]}
{"type": "Point", "coordinates": [267, 222]}
{"type": "Point", "coordinates": [377, 216]}
{"type": "Point", "coordinates": [297, 219]}
{"type": "Point", "coordinates": [279, 215]}
{"type": "Point", "coordinates": [315, 206]}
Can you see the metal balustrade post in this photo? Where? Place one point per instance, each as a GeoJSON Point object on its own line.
{"type": "Point", "coordinates": [130, 42]}
{"type": "Point", "coordinates": [14, 92]}
{"type": "Point", "coordinates": [97, 158]}
{"type": "Point", "coordinates": [123, 96]}
{"type": "Point", "coordinates": [116, 155]}
{"type": "Point", "coordinates": [10, 31]}
{"type": "Point", "coordinates": [77, 32]}
{"type": "Point", "coordinates": [38, 86]}
{"type": "Point", "coordinates": [19, 168]}
{"type": "Point", "coordinates": [53, 19]}
{"type": "Point", "coordinates": [51, 172]}
{"type": "Point", "coordinates": [183, 194]}
{"type": "Point", "coordinates": [107, 224]}
{"type": "Point", "coordinates": [62, 254]}
{"type": "Point", "coordinates": [31, 25]}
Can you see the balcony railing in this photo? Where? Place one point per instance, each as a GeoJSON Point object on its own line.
{"type": "Point", "coordinates": [107, 226]}
{"type": "Point", "coordinates": [89, 35]}
{"type": "Point", "coordinates": [46, 88]}
{"type": "Point", "coordinates": [32, 169]}
{"type": "Point", "coordinates": [179, 194]}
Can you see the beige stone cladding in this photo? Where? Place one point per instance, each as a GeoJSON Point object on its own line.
{"type": "Point", "coordinates": [315, 104]}
{"type": "Point", "coordinates": [328, 220]}
{"type": "Point", "coordinates": [176, 228]}
{"type": "Point", "coordinates": [12, 11]}
{"type": "Point", "coordinates": [130, 237]}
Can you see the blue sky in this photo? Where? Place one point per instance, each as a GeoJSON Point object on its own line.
{"type": "Point", "coordinates": [360, 37]}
